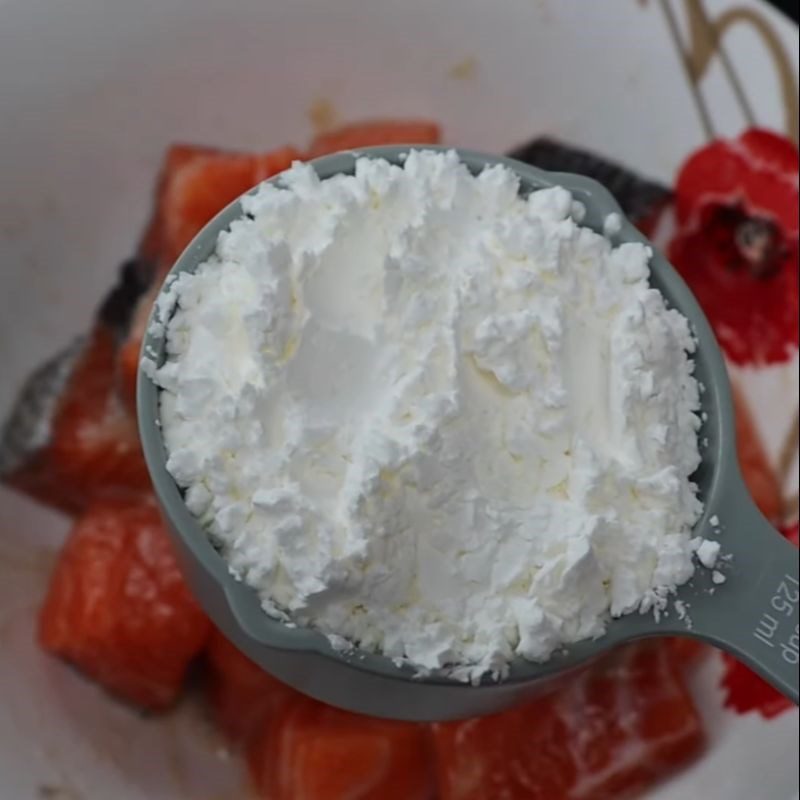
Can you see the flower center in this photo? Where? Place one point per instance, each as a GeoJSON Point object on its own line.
{"type": "Point", "coordinates": [755, 244]}
{"type": "Point", "coordinates": [760, 244]}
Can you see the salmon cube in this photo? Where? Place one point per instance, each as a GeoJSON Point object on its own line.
{"type": "Point", "coordinates": [242, 696]}
{"type": "Point", "coordinates": [613, 731]}
{"type": "Point", "coordinates": [311, 751]}
{"type": "Point", "coordinates": [118, 608]}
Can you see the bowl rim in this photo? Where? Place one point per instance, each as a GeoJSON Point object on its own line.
{"type": "Point", "coordinates": [253, 623]}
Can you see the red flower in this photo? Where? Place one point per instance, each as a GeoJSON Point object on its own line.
{"type": "Point", "coordinates": [736, 246]}
{"type": "Point", "coordinates": [744, 690]}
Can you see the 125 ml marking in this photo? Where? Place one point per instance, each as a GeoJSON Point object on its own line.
{"type": "Point", "coordinates": [782, 606]}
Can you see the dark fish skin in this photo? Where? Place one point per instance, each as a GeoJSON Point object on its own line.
{"type": "Point", "coordinates": [28, 427]}
{"type": "Point", "coordinates": [638, 197]}
{"type": "Point", "coordinates": [116, 311]}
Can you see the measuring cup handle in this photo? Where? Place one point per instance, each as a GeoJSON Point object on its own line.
{"type": "Point", "coordinates": [756, 614]}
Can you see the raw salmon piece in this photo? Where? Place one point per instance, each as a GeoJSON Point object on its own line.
{"type": "Point", "coordinates": [758, 474]}
{"type": "Point", "coordinates": [316, 752]}
{"type": "Point", "coordinates": [176, 158]}
{"type": "Point", "coordinates": [118, 608]}
{"type": "Point", "coordinates": [374, 133]}
{"type": "Point", "coordinates": [242, 696]}
{"type": "Point", "coordinates": [92, 449]}
{"type": "Point", "coordinates": [688, 652]}
{"type": "Point", "coordinates": [617, 728]}
{"type": "Point", "coordinates": [200, 189]}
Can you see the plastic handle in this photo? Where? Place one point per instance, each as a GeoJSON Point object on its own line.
{"type": "Point", "coordinates": [754, 614]}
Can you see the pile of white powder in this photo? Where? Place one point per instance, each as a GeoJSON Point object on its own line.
{"type": "Point", "coordinates": [432, 418]}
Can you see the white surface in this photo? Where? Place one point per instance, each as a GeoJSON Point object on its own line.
{"type": "Point", "coordinates": [91, 91]}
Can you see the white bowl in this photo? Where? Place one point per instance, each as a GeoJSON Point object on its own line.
{"type": "Point", "coordinates": [92, 91]}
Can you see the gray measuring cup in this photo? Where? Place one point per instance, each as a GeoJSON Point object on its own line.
{"type": "Point", "coordinates": [753, 614]}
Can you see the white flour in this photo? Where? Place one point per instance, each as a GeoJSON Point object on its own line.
{"type": "Point", "coordinates": [426, 416]}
